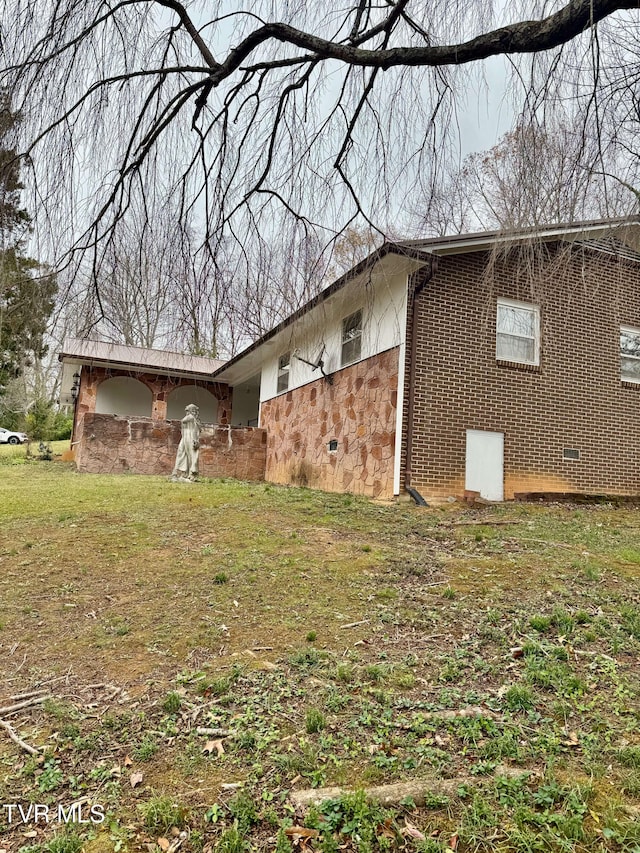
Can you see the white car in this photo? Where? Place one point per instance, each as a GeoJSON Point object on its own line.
{"type": "Point", "coordinates": [8, 437]}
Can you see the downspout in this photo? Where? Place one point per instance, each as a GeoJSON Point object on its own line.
{"type": "Point", "coordinates": [424, 279]}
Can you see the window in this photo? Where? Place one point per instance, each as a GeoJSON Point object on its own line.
{"type": "Point", "coordinates": [518, 332]}
{"type": "Point", "coordinates": [571, 453]}
{"type": "Point", "coordinates": [351, 338]}
{"type": "Point", "coordinates": [630, 354]}
{"type": "Point", "coordinates": [284, 364]}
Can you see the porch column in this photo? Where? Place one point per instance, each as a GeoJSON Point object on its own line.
{"type": "Point", "coordinates": [159, 406]}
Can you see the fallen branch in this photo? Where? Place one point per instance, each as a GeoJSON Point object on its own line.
{"type": "Point", "coordinates": [354, 624]}
{"type": "Point", "coordinates": [393, 795]}
{"type": "Point", "coordinates": [202, 730]}
{"type": "Point", "coordinates": [20, 696]}
{"type": "Point", "coordinates": [483, 523]}
{"type": "Point", "coordinates": [550, 544]}
{"type": "Point", "coordinates": [11, 709]}
{"type": "Point", "coordinates": [14, 737]}
{"type": "Point", "coordinates": [452, 714]}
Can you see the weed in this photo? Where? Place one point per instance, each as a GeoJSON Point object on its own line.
{"type": "Point", "coordinates": [232, 841]}
{"type": "Point", "coordinates": [216, 686]}
{"type": "Point", "coordinates": [386, 594]}
{"type": "Point", "coordinates": [404, 680]}
{"type": "Point", "coordinates": [630, 555]}
{"type": "Point", "coordinates": [306, 658]}
{"type": "Point", "coordinates": [451, 671]}
{"type": "Point", "coordinates": [244, 811]}
{"type": "Point", "coordinates": [51, 776]}
{"type": "Point", "coordinates": [630, 617]}
{"type": "Point", "coordinates": [374, 672]}
{"type": "Point", "coordinates": [429, 845]}
{"type": "Point", "coordinates": [160, 814]}
{"type": "Point", "coordinates": [433, 800]}
{"type": "Point", "coordinates": [66, 843]}
{"type": "Point", "coordinates": [172, 703]}
{"type": "Point", "coordinates": [146, 749]}
{"type": "Point", "coordinates": [283, 845]}
{"type": "Point", "coordinates": [344, 672]}
{"type": "Point", "coordinates": [62, 711]}
{"type": "Point", "coordinates": [336, 700]}
{"type": "Point", "coordinates": [519, 698]}
{"type": "Point", "coordinates": [629, 756]}
{"type": "Point", "coordinates": [540, 623]}
{"type": "Point", "coordinates": [221, 578]}
{"type": "Point", "coordinates": [315, 721]}
{"type": "Point", "coordinates": [311, 637]}
{"type": "Point", "coordinates": [449, 593]}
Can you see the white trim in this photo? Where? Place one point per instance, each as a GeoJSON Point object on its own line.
{"type": "Point", "coordinates": [359, 335]}
{"type": "Point", "coordinates": [632, 330]}
{"type": "Point", "coordinates": [399, 416]}
{"type": "Point", "coordinates": [526, 306]}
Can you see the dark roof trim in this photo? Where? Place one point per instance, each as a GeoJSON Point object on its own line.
{"type": "Point", "coordinates": [423, 250]}
{"type": "Point", "coordinates": [384, 250]}
{"type": "Point", "coordinates": [543, 231]}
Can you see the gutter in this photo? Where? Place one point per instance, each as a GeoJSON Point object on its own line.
{"type": "Point", "coordinates": [417, 290]}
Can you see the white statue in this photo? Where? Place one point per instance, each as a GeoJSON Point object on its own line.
{"type": "Point", "coordinates": [186, 467]}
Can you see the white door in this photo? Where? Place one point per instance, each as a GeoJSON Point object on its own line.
{"type": "Point", "coordinates": [485, 464]}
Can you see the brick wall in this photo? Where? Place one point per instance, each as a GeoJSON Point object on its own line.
{"type": "Point", "coordinates": [112, 445]}
{"type": "Point", "coordinates": [575, 399]}
{"type": "Point", "coordinates": [358, 411]}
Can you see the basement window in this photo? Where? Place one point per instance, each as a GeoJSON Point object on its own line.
{"type": "Point", "coordinates": [571, 453]}
{"type": "Point", "coordinates": [518, 332]}
{"type": "Point", "coordinates": [351, 338]}
{"type": "Point", "coordinates": [629, 354]}
{"type": "Point", "coordinates": [284, 366]}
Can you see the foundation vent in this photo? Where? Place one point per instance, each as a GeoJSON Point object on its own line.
{"type": "Point", "coordinates": [571, 453]}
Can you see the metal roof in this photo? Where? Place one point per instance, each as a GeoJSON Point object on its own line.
{"type": "Point", "coordinates": [82, 351]}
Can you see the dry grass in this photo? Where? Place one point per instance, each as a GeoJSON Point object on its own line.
{"type": "Point", "coordinates": [160, 607]}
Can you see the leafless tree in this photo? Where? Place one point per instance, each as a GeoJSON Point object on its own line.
{"type": "Point", "coordinates": [266, 110]}
{"type": "Point", "coordinates": [537, 174]}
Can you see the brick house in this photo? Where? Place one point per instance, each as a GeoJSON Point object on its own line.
{"type": "Point", "coordinates": [523, 374]}
{"type": "Point", "coordinates": [491, 362]}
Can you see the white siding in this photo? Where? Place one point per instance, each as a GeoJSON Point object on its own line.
{"type": "Point", "coordinates": [383, 300]}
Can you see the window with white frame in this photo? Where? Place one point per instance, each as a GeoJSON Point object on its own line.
{"type": "Point", "coordinates": [284, 367]}
{"type": "Point", "coordinates": [518, 332]}
{"type": "Point", "coordinates": [629, 354]}
{"type": "Point", "coordinates": [351, 338]}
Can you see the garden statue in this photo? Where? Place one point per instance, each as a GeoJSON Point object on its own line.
{"type": "Point", "coordinates": [186, 467]}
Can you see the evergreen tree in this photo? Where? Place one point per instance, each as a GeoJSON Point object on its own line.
{"type": "Point", "coordinates": [27, 288]}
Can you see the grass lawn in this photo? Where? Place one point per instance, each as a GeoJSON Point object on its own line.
{"type": "Point", "coordinates": [199, 654]}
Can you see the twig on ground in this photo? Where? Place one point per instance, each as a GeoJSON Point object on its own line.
{"type": "Point", "coordinates": [549, 544]}
{"type": "Point", "coordinates": [14, 737]}
{"type": "Point", "coordinates": [203, 730]}
{"type": "Point", "coordinates": [11, 709]}
{"type": "Point", "coordinates": [19, 696]}
{"type": "Point", "coordinates": [354, 624]}
{"type": "Point", "coordinates": [483, 523]}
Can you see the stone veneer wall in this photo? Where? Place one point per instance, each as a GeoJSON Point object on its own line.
{"type": "Point", "coordinates": [112, 445]}
{"type": "Point", "coordinates": [358, 410]}
{"type": "Point", "coordinates": [161, 386]}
